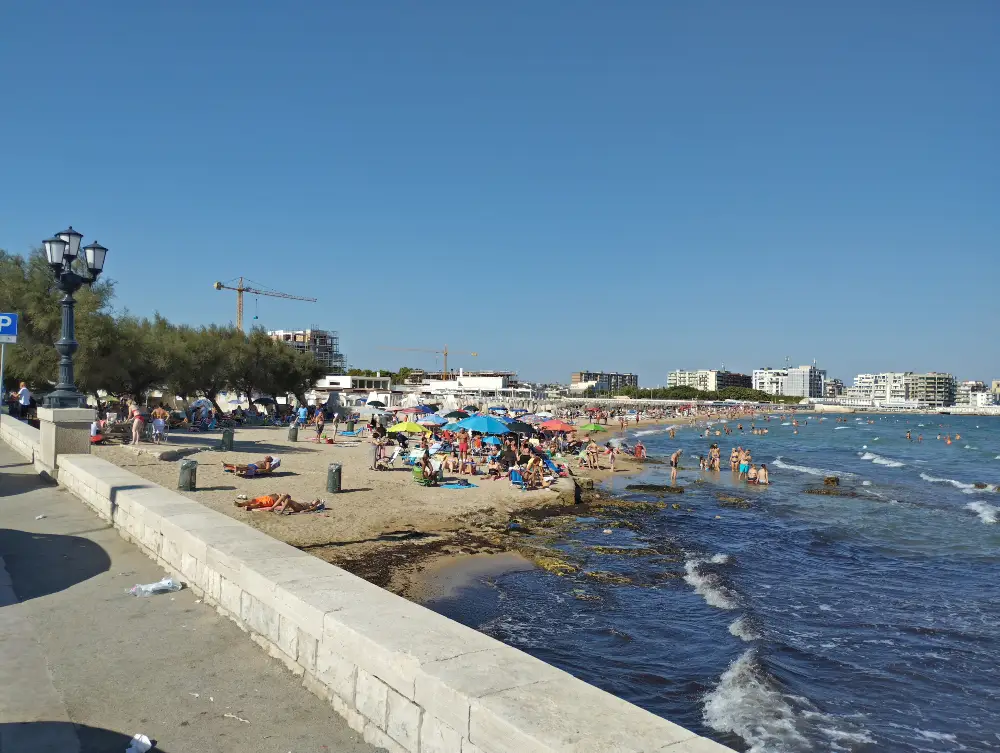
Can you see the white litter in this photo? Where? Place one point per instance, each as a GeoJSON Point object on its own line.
{"type": "Point", "coordinates": [139, 744]}
{"type": "Point", "coordinates": [39, 517]}
{"type": "Point", "coordinates": [160, 587]}
{"type": "Point", "coordinates": [237, 718]}
{"type": "Point", "coordinates": [196, 695]}
{"type": "Point", "coordinates": [607, 530]}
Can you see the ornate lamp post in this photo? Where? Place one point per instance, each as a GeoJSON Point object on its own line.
{"type": "Point", "coordinates": [62, 251]}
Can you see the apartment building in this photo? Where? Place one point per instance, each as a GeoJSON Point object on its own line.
{"type": "Point", "coordinates": [887, 387]}
{"type": "Point", "coordinates": [771, 381]}
{"type": "Point", "coordinates": [602, 381]}
{"type": "Point", "coordinates": [966, 391]}
{"type": "Point", "coordinates": [323, 344]}
{"type": "Point", "coordinates": [710, 380]}
{"type": "Point", "coordinates": [833, 388]}
{"type": "Point", "coordinates": [935, 389]}
{"type": "Point", "coordinates": [805, 381]}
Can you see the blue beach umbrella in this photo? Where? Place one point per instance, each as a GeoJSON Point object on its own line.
{"type": "Point", "coordinates": [492, 440]}
{"type": "Point", "coordinates": [433, 419]}
{"type": "Point", "coordinates": [483, 424]}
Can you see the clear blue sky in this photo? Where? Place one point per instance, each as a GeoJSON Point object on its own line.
{"type": "Point", "coordinates": [632, 186]}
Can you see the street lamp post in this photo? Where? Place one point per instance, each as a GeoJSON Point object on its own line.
{"type": "Point", "coordinates": [62, 251]}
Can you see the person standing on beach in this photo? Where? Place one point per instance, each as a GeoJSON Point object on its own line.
{"type": "Point", "coordinates": [674, 461]}
{"type": "Point", "coordinates": [320, 422]}
{"type": "Point", "coordinates": [303, 416]}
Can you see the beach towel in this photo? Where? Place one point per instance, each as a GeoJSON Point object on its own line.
{"type": "Point", "coordinates": [458, 486]}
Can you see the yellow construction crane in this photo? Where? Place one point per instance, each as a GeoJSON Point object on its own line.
{"type": "Point", "coordinates": [241, 289]}
{"type": "Point", "coordinates": [443, 353]}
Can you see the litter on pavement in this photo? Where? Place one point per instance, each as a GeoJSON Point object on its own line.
{"type": "Point", "coordinates": [139, 744]}
{"type": "Point", "coordinates": [160, 587]}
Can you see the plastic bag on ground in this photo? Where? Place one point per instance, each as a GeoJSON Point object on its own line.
{"type": "Point", "coordinates": [139, 744]}
{"type": "Point", "coordinates": [160, 587]}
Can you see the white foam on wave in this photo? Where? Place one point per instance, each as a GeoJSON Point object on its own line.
{"type": "Point", "coordinates": [968, 488]}
{"type": "Point", "coordinates": [988, 513]}
{"type": "Point", "coordinates": [787, 423]}
{"type": "Point", "coordinates": [866, 482]}
{"type": "Point", "coordinates": [838, 428]}
{"type": "Point", "coordinates": [741, 628]}
{"type": "Point", "coordinates": [749, 703]}
{"type": "Point", "coordinates": [659, 430]}
{"type": "Point", "coordinates": [709, 586]}
{"type": "Point", "coordinates": [720, 559]}
{"type": "Point", "coordinates": [779, 463]}
{"type": "Point", "coordinates": [879, 460]}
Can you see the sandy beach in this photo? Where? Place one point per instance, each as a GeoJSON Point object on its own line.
{"type": "Point", "coordinates": [381, 526]}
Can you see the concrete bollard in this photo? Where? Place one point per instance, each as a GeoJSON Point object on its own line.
{"type": "Point", "coordinates": [333, 477]}
{"type": "Point", "coordinates": [227, 440]}
{"type": "Point", "coordinates": [293, 433]}
{"type": "Point", "coordinates": [188, 479]}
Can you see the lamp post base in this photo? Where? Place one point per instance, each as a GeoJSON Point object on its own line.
{"type": "Point", "coordinates": [64, 399]}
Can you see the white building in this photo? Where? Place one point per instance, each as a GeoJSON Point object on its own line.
{"type": "Point", "coordinates": [702, 379]}
{"type": "Point", "coordinates": [966, 392]}
{"type": "Point", "coordinates": [982, 399]}
{"type": "Point", "coordinates": [889, 387]}
{"type": "Point", "coordinates": [804, 381]}
{"type": "Point", "coordinates": [771, 381]}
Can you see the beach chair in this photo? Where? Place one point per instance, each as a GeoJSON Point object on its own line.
{"type": "Point", "coordinates": [418, 476]}
{"type": "Point", "coordinates": [355, 433]}
{"type": "Point", "coordinates": [389, 462]}
{"type": "Point", "coordinates": [516, 479]}
{"type": "Point", "coordinates": [253, 471]}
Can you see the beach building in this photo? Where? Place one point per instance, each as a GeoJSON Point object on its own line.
{"type": "Point", "coordinates": [323, 344]}
{"type": "Point", "coordinates": [602, 381]}
{"type": "Point", "coordinates": [769, 380]}
{"type": "Point", "coordinates": [935, 389]}
{"type": "Point", "coordinates": [966, 391]}
{"type": "Point", "coordinates": [343, 390]}
{"type": "Point", "coordinates": [711, 380]}
{"type": "Point", "coordinates": [995, 389]}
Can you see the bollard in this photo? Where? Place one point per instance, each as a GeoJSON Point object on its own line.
{"type": "Point", "coordinates": [333, 478]}
{"type": "Point", "coordinates": [293, 433]}
{"type": "Point", "coordinates": [350, 426]}
{"type": "Point", "coordinates": [188, 479]}
{"type": "Point", "coordinates": [227, 440]}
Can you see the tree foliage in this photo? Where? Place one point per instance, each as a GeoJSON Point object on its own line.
{"type": "Point", "coordinates": [126, 356]}
{"type": "Point", "coordinates": [743, 394]}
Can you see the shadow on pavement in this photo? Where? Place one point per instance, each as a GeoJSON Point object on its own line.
{"type": "Point", "coordinates": [44, 736]}
{"type": "Point", "coordinates": [13, 482]}
{"type": "Point", "coordinates": [40, 563]}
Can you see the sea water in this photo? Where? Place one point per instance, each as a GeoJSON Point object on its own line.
{"type": "Point", "coordinates": [804, 622]}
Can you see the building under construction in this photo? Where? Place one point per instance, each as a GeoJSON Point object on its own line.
{"type": "Point", "coordinates": [323, 344]}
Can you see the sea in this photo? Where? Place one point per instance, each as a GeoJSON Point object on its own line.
{"type": "Point", "coordinates": [797, 623]}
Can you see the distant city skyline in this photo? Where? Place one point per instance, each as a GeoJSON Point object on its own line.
{"type": "Point", "coordinates": [554, 187]}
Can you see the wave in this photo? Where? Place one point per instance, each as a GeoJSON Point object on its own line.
{"type": "Point", "coordinates": [970, 488]}
{"type": "Point", "coordinates": [838, 428]}
{"type": "Point", "coordinates": [879, 460]}
{"type": "Point", "coordinates": [709, 585]}
{"type": "Point", "coordinates": [749, 702]}
{"type": "Point", "coordinates": [743, 628]}
{"type": "Point", "coordinates": [787, 423]}
{"type": "Point", "coordinates": [659, 430]}
{"type": "Point", "coordinates": [988, 513]}
{"type": "Point", "coordinates": [778, 463]}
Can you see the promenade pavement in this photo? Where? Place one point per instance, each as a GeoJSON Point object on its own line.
{"type": "Point", "coordinates": [84, 665]}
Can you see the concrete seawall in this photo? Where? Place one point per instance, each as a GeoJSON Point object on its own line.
{"type": "Point", "coordinates": [25, 440]}
{"type": "Point", "coordinates": [407, 678]}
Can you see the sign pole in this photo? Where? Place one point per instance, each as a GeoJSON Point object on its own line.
{"type": "Point", "coordinates": [3, 392]}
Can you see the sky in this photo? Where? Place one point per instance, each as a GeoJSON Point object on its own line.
{"type": "Point", "coordinates": [631, 186]}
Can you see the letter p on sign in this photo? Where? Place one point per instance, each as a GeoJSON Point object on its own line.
{"type": "Point", "coordinates": [8, 328]}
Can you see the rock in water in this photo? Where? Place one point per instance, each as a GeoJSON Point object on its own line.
{"type": "Point", "coordinates": [831, 481]}
{"type": "Point", "coordinates": [656, 489]}
{"type": "Point", "coordinates": [728, 500]}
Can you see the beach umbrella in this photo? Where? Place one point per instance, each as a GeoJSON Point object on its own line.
{"type": "Point", "coordinates": [591, 428]}
{"type": "Point", "coordinates": [457, 414]}
{"type": "Point", "coordinates": [545, 414]}
{"type": "Point", "coordinates": [471, 408]}
{"type": "Point", "coordinates": [498, 407]}
{"type": "Point", "coordinates": [520, 427]}
{"type": "Point", "coordinates": [408, 427]}
{"type": "Point", "coordinates": [505, 419]}
{"type": "Point", "coordinates": [425, 409]}
{"type": "Point", "coordinates": [376, 404]}
{"type": "Point", "coordinates": [483, 424]}
{"type": "Point", "coordinates": [432, 419]}
{"type": "Point", "coordinates": [556, 425]}
{"type": "Point", "coordinates": [521, 411]}
{"type": "Point", "coordinates": [492, 440]}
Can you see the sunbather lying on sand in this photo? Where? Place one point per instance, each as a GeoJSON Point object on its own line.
{"type": "Point", "coordinates": [280, 503]}
{"type": "Point", "coordinates": [260, 465]}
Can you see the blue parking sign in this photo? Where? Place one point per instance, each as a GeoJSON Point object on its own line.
{"type": "Point", "coordinates": [8, 328]}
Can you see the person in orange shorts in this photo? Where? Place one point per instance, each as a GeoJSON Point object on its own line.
{"type": "Point", "coordinates": [259, 503]}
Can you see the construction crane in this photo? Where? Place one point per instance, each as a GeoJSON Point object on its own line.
{"type": "Point", "coordinates": [443, 353]}
{"type": "Point", "coordinates": [241, 289]}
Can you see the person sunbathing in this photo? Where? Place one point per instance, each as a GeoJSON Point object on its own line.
{"type": "Point", "coordinates": [493, 469]}
{"type": "Point", "coordinates": [261, 465]}
{"type": "Point", "coordinates": [287, 506]}
{"type": "Point", "coordinates": [265, 502]}
{"type": "Point", "coordinates": [452, 463]}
